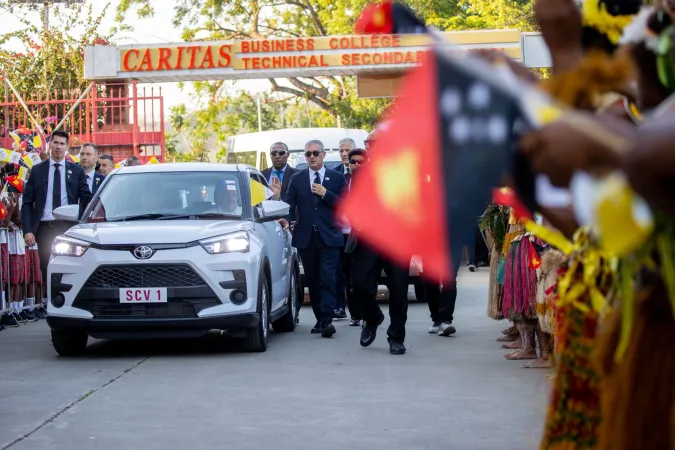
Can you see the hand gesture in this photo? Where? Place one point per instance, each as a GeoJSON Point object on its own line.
{"type": "Point", "coordinates": [318, 189]}
{"type": "Point", "coordinates": [275, 186]}
{"type": "Point", "coordinates": [29, 238]}
{"type": "Point", "coordinates": [284, 224]}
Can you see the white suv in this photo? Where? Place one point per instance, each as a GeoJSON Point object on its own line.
{"type": "Point", "coordinates": [174, 250]}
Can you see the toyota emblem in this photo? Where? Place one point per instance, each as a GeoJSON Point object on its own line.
{"type": "Point", "coordinates": [143, 252]}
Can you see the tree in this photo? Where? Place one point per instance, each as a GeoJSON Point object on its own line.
{"type": "Point", "coordinates": [254, 19]}
{"type": "Point", "coordinates": [50, 65]}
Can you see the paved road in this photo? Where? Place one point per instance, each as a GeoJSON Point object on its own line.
{"type": "Point", "coordinates": [303, 393]}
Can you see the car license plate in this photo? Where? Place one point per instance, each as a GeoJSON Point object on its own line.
{"type": "Point", "coordinates": [143, 295]}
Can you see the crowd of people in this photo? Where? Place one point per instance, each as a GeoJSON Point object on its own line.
{"type": "Point", "coordinates": [589, 286]}
{"type": "Point", "coordinates": [28, 225]}
{"type": "Point", "coordinates": [342, 273]}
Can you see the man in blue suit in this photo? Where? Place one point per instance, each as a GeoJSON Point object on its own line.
{"type": "Point", "coordinates": [313, 193]}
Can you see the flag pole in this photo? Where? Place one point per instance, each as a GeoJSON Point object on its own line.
{"type": "Point", "coordinates": [25, 107]}
{"type": "Point", "coordinates": [77, 103]}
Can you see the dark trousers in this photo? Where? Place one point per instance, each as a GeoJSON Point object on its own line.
{"type": "Point", "coordinates": [477, 249]}
{"type": "Point", "coordinates": [441, 300]}
{"type": "Point", "coordinates": [44, 238]}
{"type": "Point", "coordinates": [344, 285]}
{"type": "Point", "coordinates": [321, 264]}
{"type": "Point", "coordinates": [366, 268]}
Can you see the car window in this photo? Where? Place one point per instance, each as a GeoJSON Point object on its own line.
{"type": "Point", "coordinates": [167, 194]}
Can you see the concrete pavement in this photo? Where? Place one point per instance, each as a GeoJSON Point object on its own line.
{"type": "Point", "coordinates": [305, 392]}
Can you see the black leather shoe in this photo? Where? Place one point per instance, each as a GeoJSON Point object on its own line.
{"type": "Point", "coordinates": [369, 332]}
{"type": "Point", "coordinates": [396, 348]}
{"type": "Point", "coordinates": [339, 314]}
{"type": "Point", "coordinates": [328, 331]}
{"type": "Point", "coordinates": [317, 329]}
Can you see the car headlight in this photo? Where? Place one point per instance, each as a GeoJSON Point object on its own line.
{"type": "Point", "coordinates": [229, 243]}
{"type": "Point", "coordinates": [66, 246]}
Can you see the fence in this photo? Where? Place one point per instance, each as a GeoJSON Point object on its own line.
{"type": "Point", "coordinates": [122, 119]}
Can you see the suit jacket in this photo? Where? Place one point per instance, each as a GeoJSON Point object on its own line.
{"type": "Point", "coordinates": [98, 180]}
{"type": "Point", "coordinates": [35, 192]}
{"type": "Point", "coordinates": [322, 214]}
{"type": "Point", "coordinates": [288, 174]}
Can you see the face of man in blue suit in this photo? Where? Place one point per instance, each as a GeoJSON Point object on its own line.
{"type": "Point", "coordinates": [314, 155]}
{"type": "Point", "coordinates": [88, 158]}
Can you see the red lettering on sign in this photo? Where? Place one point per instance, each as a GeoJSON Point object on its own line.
{"type": "Point", "coordinates": [207, 59]}
{"type": "Point", "coordinates": [179, 60]}
{"type": "Point", "coordinates": [193, 56]}
{"type": "Point", "coordinates": [225, 55]}
{"type": "Point", "coordinates": [164, 55]}
{"type": "Point", "coordinates": [146, 62]}
{"type": "Point", "coordinates": [158, 296]}
{"type": "Point", "coordinates": [125, 62]}
{"type": "Point", "coordinates": [129, 296]}
{"type": "Point", "coordinates": [245, 47]}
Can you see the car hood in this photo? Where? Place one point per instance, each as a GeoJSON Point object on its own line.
{"type": "Point", "coordinates": [155, 231]}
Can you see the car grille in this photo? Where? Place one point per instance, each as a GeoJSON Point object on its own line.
{"type": "Point", "coordinates": [173, 309]}
{"type": "Point", "coordinates": [146, 275]}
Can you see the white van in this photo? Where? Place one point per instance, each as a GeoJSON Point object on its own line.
{"type": "Point", "coordinates": [253, 148]}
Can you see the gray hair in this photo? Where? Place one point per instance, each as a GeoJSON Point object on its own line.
{"type": "Point", "coordinates": [279, 143]}
{"type": "Point", "coordinates": [107, 157]}
{"type": "Point", "coordinates": [90, 144]}
{"type": "Point", "coordinates": [315, 142]}
{"type": "Point", "coordinates": [349, 141]}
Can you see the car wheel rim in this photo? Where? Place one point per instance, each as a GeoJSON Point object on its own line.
{"type": "Point", "coordinates": [264, 311]}
{"type": "Point", "coordinates": [294, 298]}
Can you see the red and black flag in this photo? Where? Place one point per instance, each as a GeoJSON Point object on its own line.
{"type": "Point", "coordinates": [432, 171]}
{"type": "Point", "coordinates": [389, 17]}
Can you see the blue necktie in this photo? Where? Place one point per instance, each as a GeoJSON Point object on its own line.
{"type": "Point", "coordinates": [280, 175]}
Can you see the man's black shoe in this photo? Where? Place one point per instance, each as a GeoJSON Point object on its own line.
{"type": "Point", "coordinates": [396, 348]}
{"type": "Point", "coordinates": [317, 328]}
{"type": "Point", "coordinates": [369, 332]}
{"type": "Point", "coordinates": [339, 314]}
{"type": "Point", "coordinates": [8, 321]}
{"type": "Point", "coordinates": [328, 331]}
{"type": "Point", "coordinates": [40, 313]}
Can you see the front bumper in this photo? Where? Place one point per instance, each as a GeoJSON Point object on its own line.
{"type": "Point", "coordinates": [153, 328]}
{"type": "Point", "coordinates": [202, 292]}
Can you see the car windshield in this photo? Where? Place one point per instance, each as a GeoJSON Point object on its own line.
{"type": "Point", "coordinates": [169, 195]}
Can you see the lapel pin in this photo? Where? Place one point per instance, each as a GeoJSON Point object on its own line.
{"type": "Point", "coordinates": [327, 179]}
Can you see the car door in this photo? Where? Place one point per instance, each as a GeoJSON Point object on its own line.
{"type": "Point", "coordinates": [277, 242]}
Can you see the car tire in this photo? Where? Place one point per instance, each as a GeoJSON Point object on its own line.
{"type": "Point", "coordinates": [69, 343]}
{"type": "Point", "coordinates": [420, 292]}
{"type": "Point", "coordinates": [256, 338]}
{"type": "Point", "coordinates": [287, 323]}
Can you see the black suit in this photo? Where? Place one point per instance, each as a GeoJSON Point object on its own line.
{"type": "Point", "coordinates": [35, 198]}
{"type": "Point", "coordinates": [318, 238]}
{"type": "Point", "coordinates": [98, 179]}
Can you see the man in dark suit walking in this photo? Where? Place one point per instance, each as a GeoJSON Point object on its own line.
{"type": "Point", "coordinates": [314, 193]}
{"type": "Point", "coordinates": [51, 184]}
{"type": "Point", "coordinates": [279, 175]}
{"type": "Point", "coordinates": [367, 265]}
{"type": "Point", "coordinates": [88, 161]}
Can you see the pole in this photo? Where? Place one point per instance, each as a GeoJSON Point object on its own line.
{"type": "Point", "coordinates": [45, 16]}
{"type": "Point", "coordinates": [259, 114]}
{"type": "Point", "coordinates": [72, 108]}
{"type": "Point", "coordinates": [25, 107]}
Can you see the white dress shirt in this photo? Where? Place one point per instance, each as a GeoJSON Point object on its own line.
{"type": "Point", "coordinates": [90, 180]}
{"type": "Point", "coordinates": [312, 174]}
{"type": "Point", "coordinates": [48, 214]}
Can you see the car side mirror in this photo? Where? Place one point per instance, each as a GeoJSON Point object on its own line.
{"type": "Point", "coordinates": [274, 209]}
{"type": "Point", "coordinates": [67, 213]}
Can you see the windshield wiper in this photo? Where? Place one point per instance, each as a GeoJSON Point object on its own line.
{"type": "Point", "coordinates": [202, 216]}
{"type": "Point", "coordinates": [138, 217]}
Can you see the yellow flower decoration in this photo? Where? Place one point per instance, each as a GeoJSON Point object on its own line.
{"type": "Point", "coordinates": [596, 16]}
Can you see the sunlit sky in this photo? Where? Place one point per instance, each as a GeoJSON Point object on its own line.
{"type": "Point", "coordinates": [154, 30]}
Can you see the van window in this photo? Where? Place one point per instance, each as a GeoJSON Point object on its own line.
{"type": "Point", "coordinates": [231, 158]}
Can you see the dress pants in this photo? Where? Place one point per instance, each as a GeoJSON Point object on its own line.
{"type": "Point", "coordinates": [366, 268]}
{"type": "Point", "coordinates": [441, 300]}
{"type": "Point", "coordinates": [477, 249]}
{"type": "Point", "coordinates": [344, 285]}
{"type": "Point", "coordinates": [321, 264]}
{"type": "Point", "coordinates": [44, 237]}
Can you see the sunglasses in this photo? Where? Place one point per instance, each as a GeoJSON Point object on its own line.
{"type": "Point", "coordinates": [356, 161]}
{"type": "Point", "coordinates": [280, 153]}
{"type": "Point", "coordinates": [315, 154]}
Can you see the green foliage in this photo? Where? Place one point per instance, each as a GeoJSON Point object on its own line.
{"type": "Point", "coordinates": [318, 101]}
{"type": "Point", "coordinates": [495, 219]}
